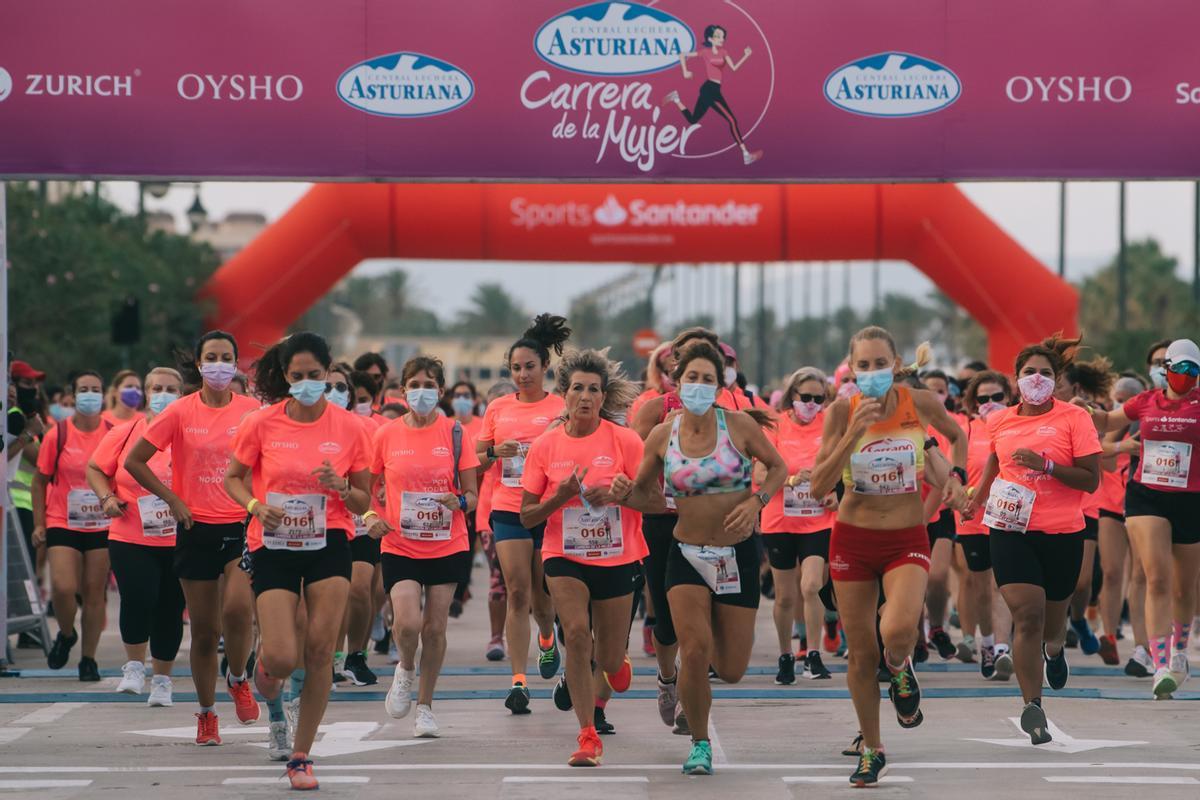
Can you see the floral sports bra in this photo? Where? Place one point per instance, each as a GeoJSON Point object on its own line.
{"type": "Point", "coordinates": [725, 469]}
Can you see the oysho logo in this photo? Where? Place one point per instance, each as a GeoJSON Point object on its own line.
{"type": "Point", "coordinates": [194, 86]}
{"type": "Point", "coordinates": [1069, 89]}
{"type": "Point", "coordinates": [892, 85]}
{"type": "Point", "coordinates": [613, 39]}
{"type": "Point", "coordinates": [640, 212]}
{"type": "Point", "coordinates": [405, 85]}
{"type": "Point", "coordinates": [5, 84]}
{"type": "Point", "coordinates": [284, 445]}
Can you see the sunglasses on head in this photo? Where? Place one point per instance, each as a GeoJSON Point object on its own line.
{"type": "Point", "coordinates": [998, 397]}
{"type": "Point", "coordinates": [340, 386]}
{"type": "Point", "coordinates": [1190, 368]}
{"type": "Point", "coordinates": [810, 398]}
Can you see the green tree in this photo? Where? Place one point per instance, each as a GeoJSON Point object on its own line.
{"type": "Point", "coordinates": [493, 312]}
{"type": "Point", "coordinates": [74, 262]}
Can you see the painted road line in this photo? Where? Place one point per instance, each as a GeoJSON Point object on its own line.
{"type": "Point", "coordinates": [1062, 742]}
{"type": "Point", "coordinates": [51, 713]}
{"type": "Point", "coordinates": [8, 735]}
{"type": "Point", "coordinates": [1172, 780]}
{"type": "Point", "coordinates": [581, 779]}
{"type": "Point", "coordinates": [837, 779]}
{"type": "Point", "coordinates": [44, 784]}
{"type": "Point", "coordinates": [282, 781]}
{"type": "Point", "coordinates": [714, 741]}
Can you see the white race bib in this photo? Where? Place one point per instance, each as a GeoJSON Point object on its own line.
{"type": "Point", "coordinates": [669, 497]}
{"type": "Point", "coordinates": [886, 472]}
{"type": "Point", "coordinates": [84, 512]}
{"type": "Point", "coordinates": [303, 525]}
{"type": "Point", "coordinates": [1009, 506]}
{"type": "Point", "coordinates": [156, 516]}
{"type": "Point", "coordinates": [1166, 464]}
{"type": "Point", "coordinates": [360, 526]}
{"type": "Point", "coordinates": [423, 518]}
{"type": "Point", "coordinates": [513, 469]}
{"type": "Point", "coordinates": [716, 565]}
{"type": "Point", "coordinates": [592, 534]}
{"type": "Point", "coordinates": [798, 501]}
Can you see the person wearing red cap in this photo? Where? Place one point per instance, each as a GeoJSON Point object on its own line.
{"type": "Point", "coordinates": [27, 402]}
{"type": "Point", "coordinates": [735, 382]}
{"type": "Point", "coordinates": [21, 371]}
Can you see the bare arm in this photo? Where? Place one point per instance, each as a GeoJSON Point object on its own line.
{"type": "Point", "coordinates": [37, 492]}
{"type": "Point", "coordinates": [137, 464]}
{"type": "Point", "coordinates": [535, 511]}
{"type": "Point", "coordinates": [104, 487]}
{"type": "Point", "coordinates": [838, 439]}
{"type": "Point", "coordinates": [683, 57]}
{"type": "Point", "coordinates": [647, 417]}
{"type": "Point", "coordinates": [931, 408]}
{"type": "Point", "coordinates": [643, 493]}
{"type": "Point", "coordinates": [734, 66]}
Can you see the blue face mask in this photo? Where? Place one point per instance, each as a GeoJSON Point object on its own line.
{"type": "Point", "coordinates": [462, 405]}
{"type": "Point", "coordinates": [60, 412]}
{"type": "Point", "coordinates": [1158, 376]}
{"type": "Point", "coordinates": [421, 401]}
{"type": "Point", "coordinates": [338, 398]}
{"type": "Point", "coordinates": [160, 400]}
{"type": "Point", "coordinates": [307, 393]}
{"type": "Point", "coordinates": [698, 398]}
{"type": "Point", "coordinates": [89, 403]}
{"type": "Point", "coordinates": [875, 383]}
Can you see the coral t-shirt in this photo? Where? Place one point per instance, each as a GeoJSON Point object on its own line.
{"type": "Point", "coordinates": [418, 464]}
{"type": "Point", "coordinates": [600, 536]}
{"type": "Point", "coordinates": [794, 510]}
{"type": "Point", "coordinates": [507, 418]}
{"type": "Point", "coordinates": [1112, 486]}
{"type": "Point", "coordinates": [70, 502]}
{"type": "Point", "coordinates": [640, 401]}
{"type": "Point", "coordinates": [147, 519]}
{"type": "Point", "coordinates": [483, 508]}
{"type": "Point", "coordinates": [1062, 434]}
{"type": "Point", "coordinates": [1170, 434]}
{"type": "Point", "coordinates": [200, 439]}
{"type": "Point", "coordinates": [979, 451]}
{"type": "Point", "coordinates": [282, 454]}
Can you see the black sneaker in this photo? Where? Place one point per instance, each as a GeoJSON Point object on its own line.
{"type": "Point", "coordinates": [787, 670]}
{"type": "Point", "coordinates": [1072, 639]}
{"type": "Point", "coordinates": [920, 652]}
{"type": "Point", "coordinates": [987, 662]}
{"type": "Point", "coordinates": [518, 699]}
{"type": "Point", "coordinates": [456, 608]}
{"type": "Point", "coordinates": [905, 694]}
{"type": "Point", "coordinates": [1033, 722]}
{"type": "Point", "coordinates": [872, 765]}
{"type": "Point", "coordinates": [358, 672]}
{"type": "Point", "coordinates": [88, 671]}
{"type": "Point", "coordinates": [603, 726]}
{"type": "Point", "coordinates": [562, 695]}
{"type": "Point", "coordinates": [941, 640]}
{"type": "Point", "coordinates": [60, 651]}
{"type": "Point", "coordinates": [712, 673]}
{"type": "Point", "coordinates": [856, 747]}
{"type": "Point", "coordinates": [382, 645]}
{"type": "Point", "coordinates": [814, 668]}
{"type": "Point", "coordinates": [1057, 670]}
{"type": "Point", "coordinates": [549, 660]}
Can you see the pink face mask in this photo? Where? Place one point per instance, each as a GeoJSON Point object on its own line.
{"type": "Point", "coordinates": [806, 412]}
{"type": "Point", "coordinates": [989, 408]}
{"type": "Point", "coordinates": [848, 389]}
{"type": "Point", "coordinates": [1036, 389]}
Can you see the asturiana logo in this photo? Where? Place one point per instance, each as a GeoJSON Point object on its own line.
{"type": "Point", "coordinates": [892, 85]}
{"type": "Point", "coordinates": [405, 85]}
{"type": "Point", "coordinates": [614, 39]}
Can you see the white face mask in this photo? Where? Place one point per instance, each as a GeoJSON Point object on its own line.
{"type": "Point", "coordinates": [989, 408]}
{"type": "Point", "coordinates": [1036, 389]}
{"type": "Point", "coordinates": [730, 377]}
{"type": "Point", "coordinates": [362, 409]}
{"type": "Point", "coordinates": [805, 412]}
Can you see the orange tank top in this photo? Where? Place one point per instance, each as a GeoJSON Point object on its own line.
{"type": "Point", "coordinates": [890, 457]}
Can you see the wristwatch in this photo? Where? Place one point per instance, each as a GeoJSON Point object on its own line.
{"type": "Point", "coordinates": [763, 498]}
{"type": "Point", "coordinates": [491, 453]}
{"type": "Point", "coordinates": [960, 473]}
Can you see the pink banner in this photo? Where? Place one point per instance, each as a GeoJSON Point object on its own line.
{"type": "Point", "coordinates": [745, 90]}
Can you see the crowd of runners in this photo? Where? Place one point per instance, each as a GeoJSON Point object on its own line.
{"type": "Point", "coordinates": [306, 512]}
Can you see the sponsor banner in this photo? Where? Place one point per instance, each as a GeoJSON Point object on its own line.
{"type": "Point", "coordinates": [660, 90]}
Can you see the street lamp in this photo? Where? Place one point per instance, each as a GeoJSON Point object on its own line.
{"type": "Point", "coordinates": [197, 214]}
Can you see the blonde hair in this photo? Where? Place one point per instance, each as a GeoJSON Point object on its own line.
{"type": "Point", "coordinates": [174, 373]}
{"type": "Point", "coordinates": [800, 377]}
{"type": "Point", "coordinates": [619, 391]}
{"type": "Point", "coordinates": [924, 349]}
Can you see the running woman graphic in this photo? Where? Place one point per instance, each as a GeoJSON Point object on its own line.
{"type": "Point", "coordinates": [715, 58]}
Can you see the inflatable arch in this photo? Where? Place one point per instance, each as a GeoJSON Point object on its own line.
{"type": "Point", "coordinates": [296, 260]}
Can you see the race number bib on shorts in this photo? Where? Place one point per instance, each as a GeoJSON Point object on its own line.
{"type": "Point", "coordinates": [669, 498]}
{"type": "Point", "coordinates": [798, 501]}
{"type": "Point", "coordinates": [893, 472]}
{"type": "Point", "coordinates": [156, 516]}
{"type": "Point", "coordinates": [84, 512]}
{"type": "Point", "coordinates": [716, 565]}
{"type": "Point", "coordinates": [423, 517]}
{"type": "Point", "coordinates": [360, 526]}
{"type": "Point", "coordinates": [303, 525]}
{"type": "Point", "coordinates": [513, 469]}
{"type": "Point", "coordinates": [1166, 464]}
{"type": "Point", "coordinates": [594, 533]}
{"type": "Point", "coordinates": [1009, 506]}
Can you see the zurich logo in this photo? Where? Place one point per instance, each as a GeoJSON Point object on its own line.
{"type": "Point", "coordinates": [892, 85]}
{"type": "Point", "coordinates": [405, 85]}
{"type": "Point", "coordinates": [613, 39]}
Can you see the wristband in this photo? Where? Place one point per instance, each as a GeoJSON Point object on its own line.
{"type": "Point", "coordinates": [1049, 469]}
{"type": "Point", "coordinates": [959, 473]}
{"type": "Point", "coordinates": [253, 504]}
{"type": "Point", "coordinates": [368, 515]}
{"type": "Point", "coordinates": [462, 503]}
{"type": "Point", "coordinates": [491, 453]}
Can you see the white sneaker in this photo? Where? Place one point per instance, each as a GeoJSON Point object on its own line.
{"type": "Point", "coordinates": [399, 697]}
{"type": "Point", "coordinates": [426, 726]}
{"type": "Point", "coordinates": [1164, 684]}
{"type": "Point", "coordinates": [279, 741]}
{"type": "Point", "coordinates": [133, 678]}
{"type": "Point", "coordinates": [1179, 667]}
{"type": "Point", "coordinates": [671, 98]}
{"type": "Point", "coordinates": [1141, 656]}
{"type": "Point", "coordinates": [291, 712]}
{"type": "Point", "coordinates": [160, 692]}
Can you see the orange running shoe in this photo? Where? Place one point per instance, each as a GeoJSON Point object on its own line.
{"type": "Point", "coordinates": [206, 729]}
{"type": "Point", "coordinates": [619, 681]}
{"type": "Point", "coordinates": [299, 772]}
{"type": "Point", "coordinates": [590, 749]}
{"type": "Point", "coordinates": [243, 702]}
{"type": "Point", "coordinates": [1108, 650]}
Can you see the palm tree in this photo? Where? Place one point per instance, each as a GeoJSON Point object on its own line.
{"type": "Point", "coordinates": [493, 312]}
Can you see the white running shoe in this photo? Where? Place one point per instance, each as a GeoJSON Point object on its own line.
{"type": "Point", "coordinates": [1164, 684]}
{"type": "Point", "coordinates": [1179, 667]}
{"type": "Point", "coordinates": [160, 692]}
{"type": "Point", "coordinates": [279, 741]}
{"type": "Point", "coordinates": [399, 697]}
{"type": "Point", "coordinates": [1004, 665]}
{"type": "Point", "coordinates": [426, 726]}
{"type": "Point", "coordinates": [668, 701]}
{"type": "Point", "coordinates": [133, 678]}
{"type": "Point", "coordinates": [291, 712]}
{"type": "Point", "coordinates": [671, 98]}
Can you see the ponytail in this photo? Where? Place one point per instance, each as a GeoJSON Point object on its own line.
{"type": "Point", "coordinates": [548, 332]}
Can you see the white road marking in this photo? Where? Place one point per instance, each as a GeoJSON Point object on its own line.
{"type": "Point", "coordinates": [281, 781]}
{"type": "Point", "coordinates": [338, 738]}
{"type": "Point", "coordinates": [839, 779]}
{"type": "Point", "coordinates": [718, 752]}
{"type": "Point", "coordinates": [51, 713]}
{"type": "Point", "coordinates": [547, 779]}
{"type": "Point", "coordinates": [44, 784]}
{"type": "Point", "coordinates": [12, 734]}
{"type": "Point", "coordinates": [1174, 779]}
{"type": "Point", "coordinates": [104, 685]}
{"type": "Point", "coordinates": [1062, 741]}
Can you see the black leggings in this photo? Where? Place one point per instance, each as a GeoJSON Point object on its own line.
{"type": "Point", "coordinates": [659, 530]}
{"type": "Point", "coordinates": [151, 597]}
{"type": "Point", "coordinates": [711, 97]}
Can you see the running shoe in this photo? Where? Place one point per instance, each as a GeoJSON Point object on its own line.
{"type": "Point", "coordinates": [920, 652]}
{"type": "Point", "coordinates": [905, 694]}
{"type": "Point", "coordinates": [668, 699]}
{"type": "Point", "coordinates": [1057, 669]}
{"type": "Point", "coordinates": [243, 701]}
{"type": "Point", "coordinates": [1164, 684]}
{"type": "Point", "coordinates": [495, 649]}
{"type": "Point", "coordinates": [1072, 638]}
{"type": "Point", "coordinates": [1088, 642]}
{"type": "Point", "coordinates": [648, 640]}
{"type": "Point", "coordinates": [966, 650]}
{"type": "Point", "coordinates": [795, 630]}
{"type": "Point", "coordinates": [88, 671]}
{"type": "Point", "coordinates": [279, 741]}
{"type": "Point", "coordinates": [987, 662]}
{"type": "Point", "coordinates": [699, 761]}
{"type": "Point", "coordinates": [1033, 722]}
{"type": "Point", "coordinates": [133, 678]}
{"type": "Point", "coordinates": [671, 98]}
{"type": "Point", "coordinates": [787, 670]}
{"type": "Point", "coordinates": [872, 765]}
{"type": "Point", "coordinates": [207, 730]}
{"type": "Point", "coordinates": [377, 630]}
{"type": "Point", "coordinates": [856, 747]}
{"type": "Point", "coordinates": [1004, 665]}
{"type": "Point", "coordinates": [339, 667]}
{"type": "Point", "coordinates": [620, 680]}
{"type": "Point", "coordinates": [425, 726]}
{"type": "Point", "coordinates": [681, 723]}
{"type": "Point", "coordinates": [160, 692]}
{"type": "Point", "coordinates": [399, 697]}
{"type": "Point", "coordinates": [60, 651]}
{"type": "Point", "coordinates": [518, 699]}
{"type": "Point", "coordinates": [601, 724]}
{"type": "Point", "coordinates": [357, 671]}
{"type": "Point", "coordinates": [1179, 667]}
{"type": "Point", "coordinates": [749, 158]}
{"type": "Point", "coordinates": [300, 772]}
{"type": "Point", "coordinates": [1139, 664]}
{"type": "Point", "coordinates": [456, 608]}
{"type": "Point", "coordinates": [1108, 650]}
{"type": "Point", "coordinates": [831, 640]}
{"type": "Point", "coordinates": [562, 695]}
{"type": "Point", "coordinates": [843, 647]}
{"type": "Point", "coordinates": [941, 642]}
{"type": "Point", "coordinates": [268, 688]}
{"type": "Point", "coordinates": [549, 660]}
{"type": "Point", "coordinates": [814, 668]}
{"type": "Point", "coordinates": [590, 751]}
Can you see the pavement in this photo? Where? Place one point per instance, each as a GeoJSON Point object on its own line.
{"type": "Point", "coordinates": [62, 739]}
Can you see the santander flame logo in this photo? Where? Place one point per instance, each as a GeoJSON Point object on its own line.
{"type": "Point", "coordinates": [611, 214]}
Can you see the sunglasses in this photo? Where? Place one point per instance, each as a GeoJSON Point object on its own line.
{"type": "Point", "coordinates": [340, 386]}
{"type": "Point", "coordinates": [810, 398]}
{"type": "Point", "coordinates": [1189, 368]}
{"type": "Point", "coordinates": [998, 397]}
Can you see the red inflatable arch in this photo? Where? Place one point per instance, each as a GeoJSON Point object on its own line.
{"type": "Point", "coordinates": [333, 227]}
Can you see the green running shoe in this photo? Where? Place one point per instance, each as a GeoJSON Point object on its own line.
{"type": "Point", "coordinates": [699, 761]}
